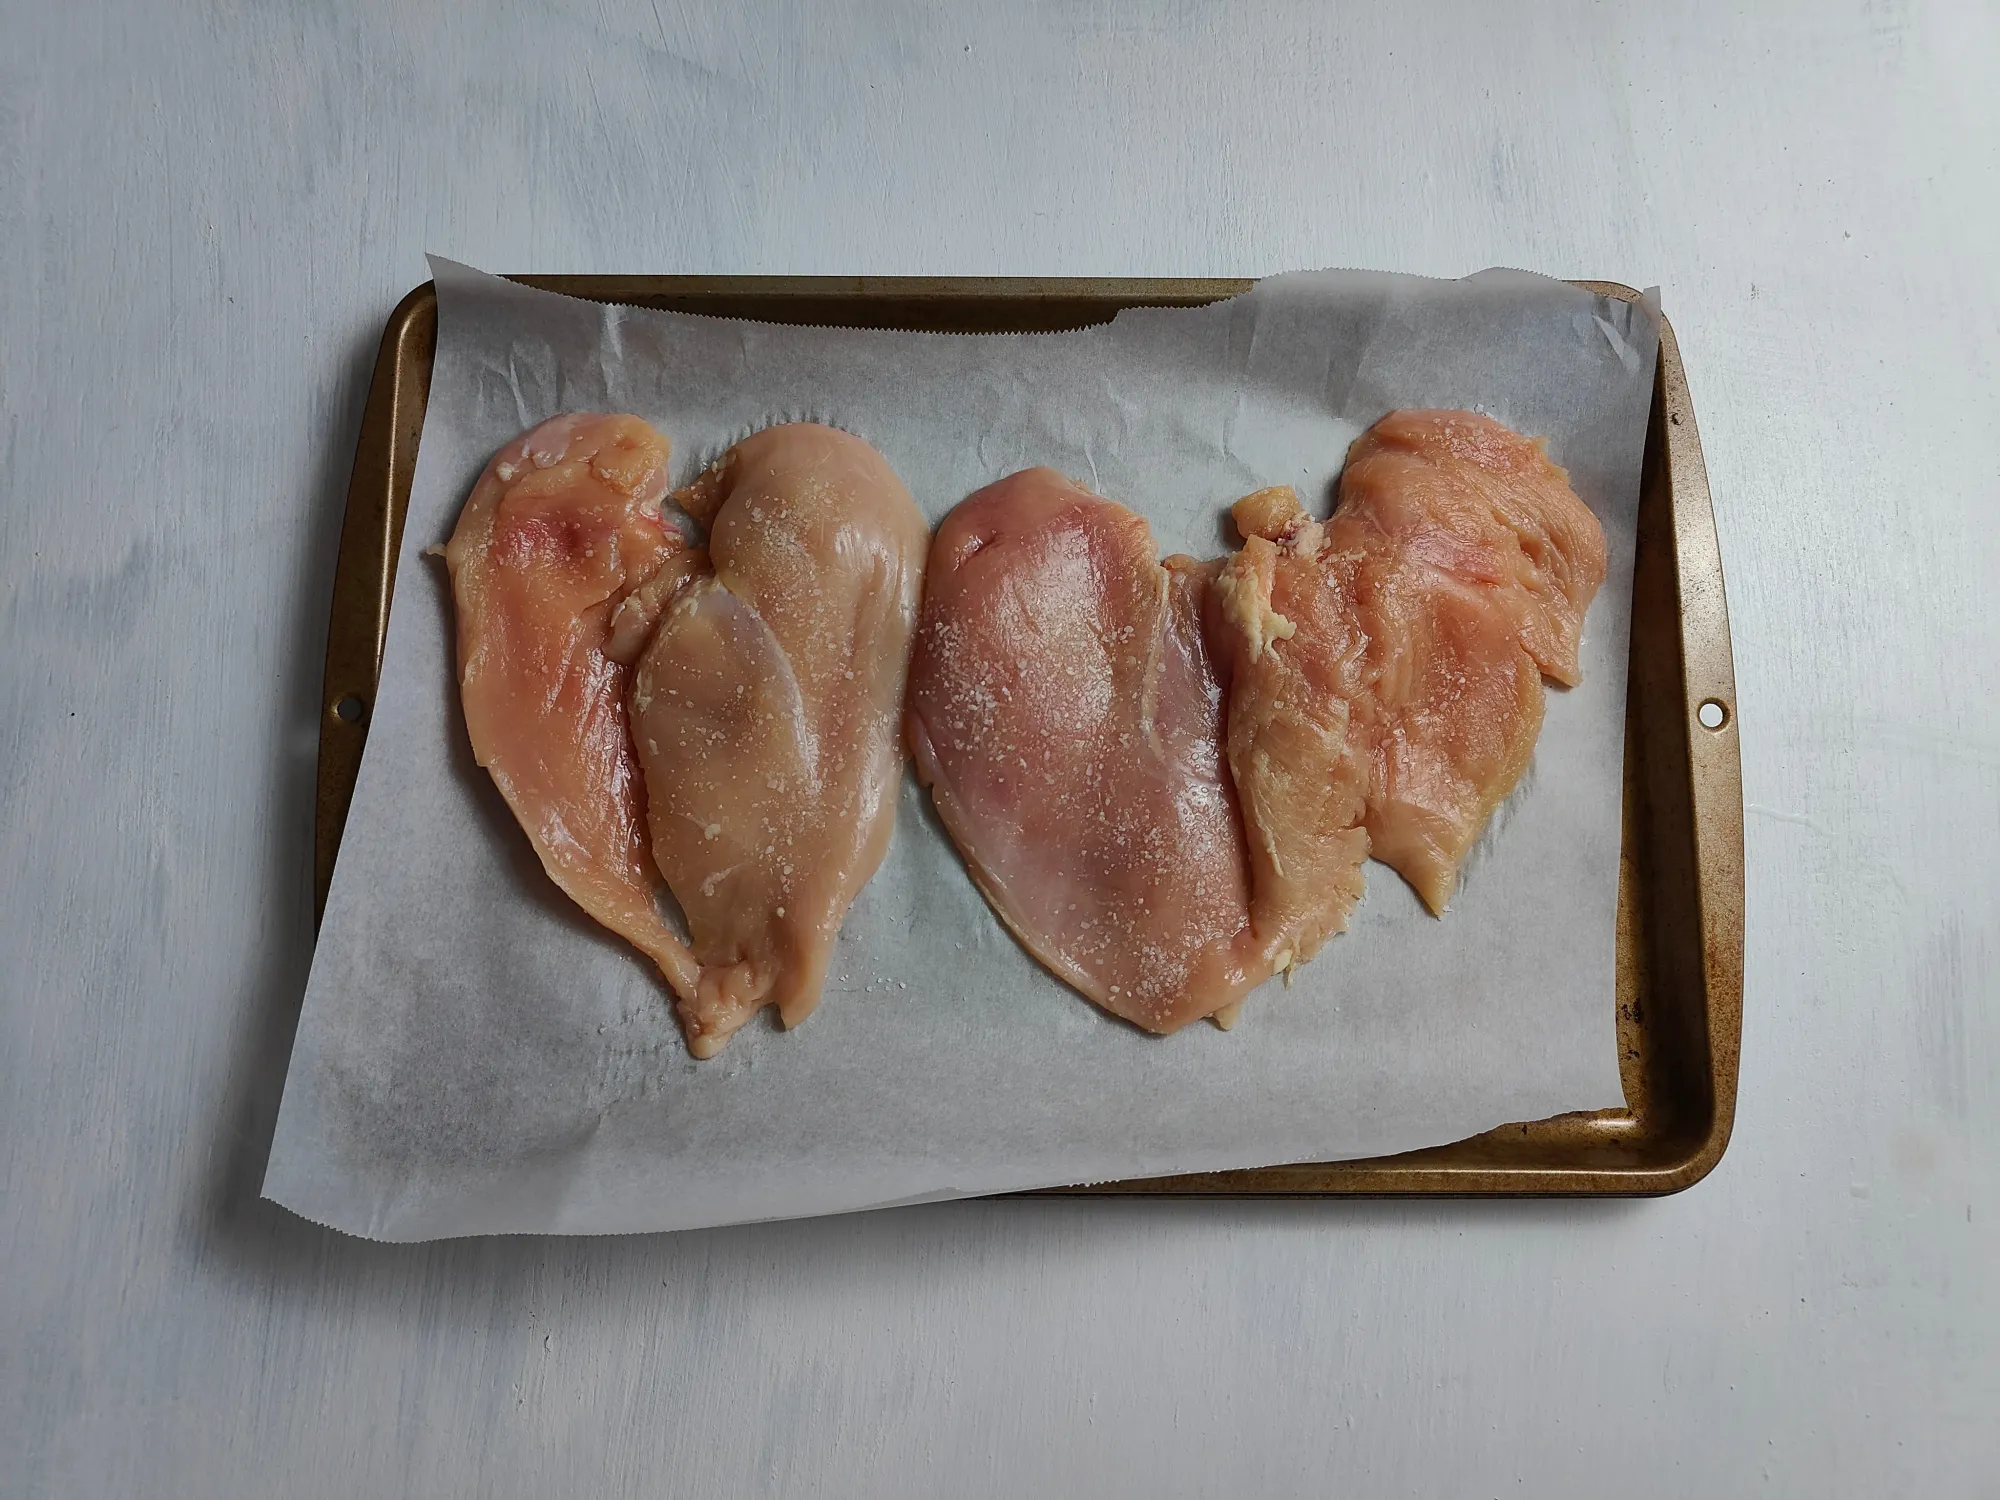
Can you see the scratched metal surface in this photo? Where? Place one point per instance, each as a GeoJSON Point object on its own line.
{"type": "Point", "coordinates": [204, 213]}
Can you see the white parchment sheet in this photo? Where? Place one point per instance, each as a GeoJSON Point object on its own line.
{"type": "Point", "coordinates": [476, 1057]}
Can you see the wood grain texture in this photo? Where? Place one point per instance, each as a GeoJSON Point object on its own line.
{"type": "Point", "coordinates": [205, 213]}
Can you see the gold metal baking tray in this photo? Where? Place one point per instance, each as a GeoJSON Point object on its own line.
{"type": "Point", "coordinates": [1680, 895]}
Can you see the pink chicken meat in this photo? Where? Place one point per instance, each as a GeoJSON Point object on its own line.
{"type": "Point", "coordinates": [720, 723]}
{"type": "Point", "coordinates": [1164, 777]}
{"type": "Point", "coordinates": [1066, 715]}
{"type": "Point", "coordinates": [562, 527]}
{"type": "Point", "coordinates": [1419, 621]}
{"type": "Point", "coordinates": [766, 706]}
{"type": "Point", "coordinates": [1284, 621]}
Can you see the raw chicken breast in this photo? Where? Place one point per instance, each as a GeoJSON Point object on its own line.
{"type": "Point", "coordinates": [766, 708]}
{"type": "Point", "coordinates": [563, 525]}
{"type": "Point", "coordinates": [1453, 575]}
{"type": "Point", "coordinates": [1470, 505]}
{"type": "Point", "coordinates": [1476, 562]}
{"type": "Point", "coordinates": [1066, 715]}
{"type": "Point", "coordinates": [1284, 620]}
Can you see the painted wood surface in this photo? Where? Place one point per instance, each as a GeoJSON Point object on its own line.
{"type": "Point", "coordinates": [205, 213]}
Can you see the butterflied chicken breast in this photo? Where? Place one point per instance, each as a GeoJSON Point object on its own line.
{"type": "Point", "coordinates": [563, 527]}
{"type": "Point", "coordinates": [1454, 573]}
{"type": "Point", "coordinates": [766, 707]}
{"type": "Point", "coordinates": [1067, 716]}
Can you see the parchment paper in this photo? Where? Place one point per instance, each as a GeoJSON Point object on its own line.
{"type": "Point", "coordinates": [476, 1057]}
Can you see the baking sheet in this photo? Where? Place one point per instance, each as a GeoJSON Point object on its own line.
{"type": "Point", "coordinates": [475, 1057]}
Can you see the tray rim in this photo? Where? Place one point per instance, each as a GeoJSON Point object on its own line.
{"type": "Point", "coordinates": [365, 578]}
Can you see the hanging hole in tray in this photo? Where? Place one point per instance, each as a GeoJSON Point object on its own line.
{"type": "Point", "coordinates": [1713, 713]}
{"type": "Point", "coordinates": [351, 709]}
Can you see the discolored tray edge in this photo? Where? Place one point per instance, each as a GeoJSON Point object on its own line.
{"type": "Point", "coordinates": [1662, 1145]}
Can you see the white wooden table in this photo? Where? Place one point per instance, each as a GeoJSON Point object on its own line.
{"type": "Point", "coordinates": [205, 214]}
